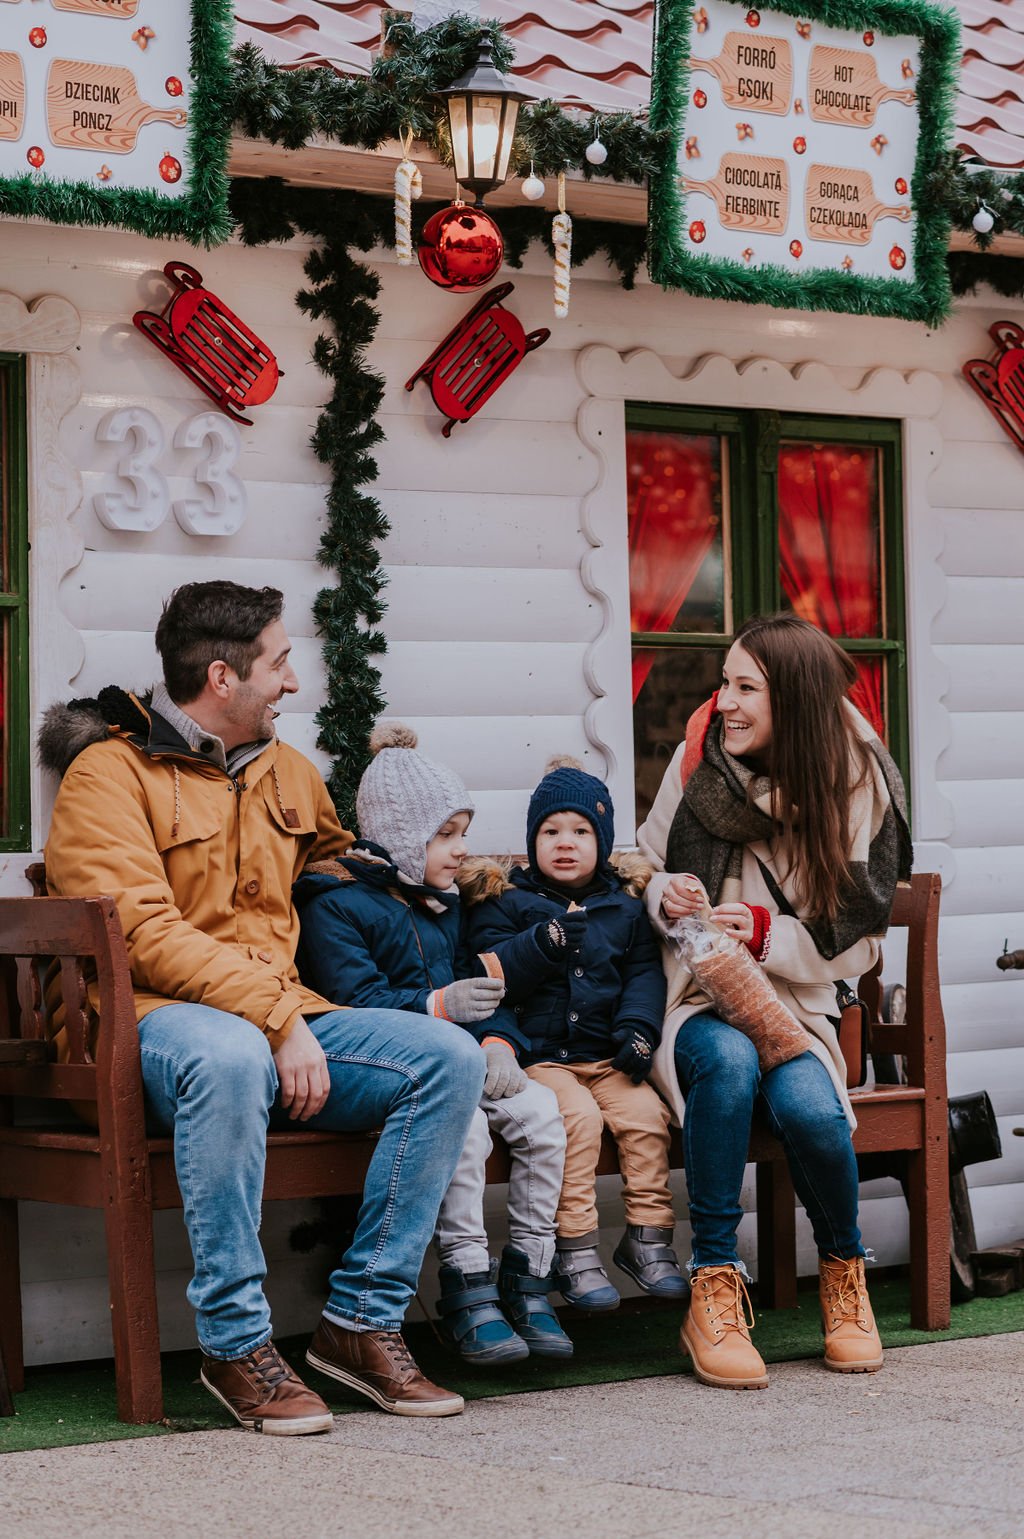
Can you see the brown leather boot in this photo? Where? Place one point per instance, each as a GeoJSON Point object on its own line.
{"type": "Point", "coordinates": [264, 1395]}
{"type": "Point", "coordinates": [379, 1364]}
{"type": "Point", "coordinates": [852, 1342]}
{"type": "Point", "coordinates": [716, 1331]}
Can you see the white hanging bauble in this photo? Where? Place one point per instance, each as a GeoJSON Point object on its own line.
{"type": "Point", "coordinates": [983, 220]}
{"type": "Point", "coordinates": [533, 187]}
{"type": "Point", "coordinates": [596, 152]}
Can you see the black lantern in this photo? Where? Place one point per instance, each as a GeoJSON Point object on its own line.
{"type": "Point", "coordinates": [483, 105]}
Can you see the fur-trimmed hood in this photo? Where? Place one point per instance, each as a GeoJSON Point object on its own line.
{"type": "Point", "coordinates": [69, 726]}
{"type": "Point", "coordinates": [481, 877]}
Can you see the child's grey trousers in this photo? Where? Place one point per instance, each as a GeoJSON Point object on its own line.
{"type": "Point", "coordinates": [530, 1124]}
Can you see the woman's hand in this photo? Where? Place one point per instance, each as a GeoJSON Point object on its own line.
{"type": "Point", "coordinates": [684, 896]}
{"type": "Point", "coordinates": [736, 920]}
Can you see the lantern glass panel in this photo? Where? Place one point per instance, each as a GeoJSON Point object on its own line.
{"type": "Point", "coordinates": [508, 133]}
{"type": "Point", "coordinates": [458, 123]}
{"type": "Point", "coordinates": [485, 125]}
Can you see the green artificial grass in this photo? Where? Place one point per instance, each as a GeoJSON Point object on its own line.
{"type": "Point", "coordinates": [76, 1404]}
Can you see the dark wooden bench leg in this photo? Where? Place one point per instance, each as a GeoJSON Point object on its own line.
{"type": "Point", "coordinates": [132, 1274]}
{"type": "Point", "coordinates": [11, 1348]}
{"type": "Point", "coordinates": [928, 1201]}
{"type": "Point", "coordinates": [776, 1236]}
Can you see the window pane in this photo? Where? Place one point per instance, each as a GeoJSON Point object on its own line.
{"type": "Point", "coordinates": [5, 478]}
{"type": "Point", "coordinates": [830, 549]}
{"type": "Point", "coordinates": [870, 694]}
{"type": "Point", "coordinates": [676, 682]}
{"type": "Point", "coordinates": [678, 556]}
{"type": "Point", "coordinates": [4, 695]}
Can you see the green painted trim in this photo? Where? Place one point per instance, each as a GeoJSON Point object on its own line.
{"type": "Point", "coordinates": [201, 216]}
{"type": "Point", "coordinates": [15, 813]}
{"type": "Point", "coordinates": [673, 265]}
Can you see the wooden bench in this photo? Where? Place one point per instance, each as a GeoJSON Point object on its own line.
{"type": "Point", "coordinates": [129, 1176]}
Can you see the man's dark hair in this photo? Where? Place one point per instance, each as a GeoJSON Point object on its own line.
{"type": "Point", "coordinates": [207, 622]}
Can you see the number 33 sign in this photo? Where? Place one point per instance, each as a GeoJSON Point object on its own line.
{"type": "Point", "coordinates": [218, 509]}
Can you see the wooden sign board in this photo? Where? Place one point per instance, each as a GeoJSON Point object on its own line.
{"type": "Point", "coordinates": [800, 154]}
{"type": "Point", "coordinates": [116, 112]}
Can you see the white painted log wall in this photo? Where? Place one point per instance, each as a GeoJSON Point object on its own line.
{"type": "Point", "coordinates": [490, 624]}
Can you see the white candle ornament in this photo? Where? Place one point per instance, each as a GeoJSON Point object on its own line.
{"type": "Point", "coordinates": [408, 185]}
{"type": "Point", "coordinates": [561, 235]}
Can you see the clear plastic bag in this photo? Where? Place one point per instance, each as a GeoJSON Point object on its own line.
{"type": "Point", "coordinates": [739, 990]}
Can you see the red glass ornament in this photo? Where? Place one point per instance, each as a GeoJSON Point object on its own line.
{"type": "Point", "coordinates": [170, 169]}
{"type": "Point", "coordinates": [35, 156]}
{"type": "Point", "coordinates": [796, 249]}
{"type": "Point", "coordinates": [460, 248]}
{"type": "Point", "coordinates": [697, 231]}
{"type": "Point", "coordinates": [37, 37]}
{"type": "Point", "coordinates": [897, 258]}
{"type": "Point", "coordinates": [753, 18]}
{"type": "Point", "coordinates": [869, 38]}
{"type": "Point", "coordinates": [700, 98]}
{"type": "Point", "coordinates": [800, 145]}
{"type": "Point", "coordinates": [173, 86]}
{"type": "Point", "coordinates": [901, 186]}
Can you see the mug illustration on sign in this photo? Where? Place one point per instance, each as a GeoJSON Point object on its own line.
{"type": "Point", "coordinates": [12, 96]}
{"type": "Point", "coordinates": [845, 87]}
{"type": "Point", "coordinates": [755, 73]}
{"type": "Point", "coordinates": [840, 205]}
{"type": "Point", "coordinates": [98, 7]}
{"type": "Point", "coordinates": [97, 106]}
{"type": "Point", "coordinates": [751, 192]}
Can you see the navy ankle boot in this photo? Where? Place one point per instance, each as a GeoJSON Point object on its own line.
{"type": "Point", "coordinates": [471, 1318]}
{"type": "Point", "coordinates": [524, 1298]}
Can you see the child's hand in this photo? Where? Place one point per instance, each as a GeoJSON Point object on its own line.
{"type": "Point", "coordinates": [559, 937]}
{"type": "Point", "coordinates": [634, 1058]}
{"type": "Point", "coordinates": [685, 896]}
{"type": "Point", "coordinates": [504, 1076]}
{"type": "Point", "coordinates": [468, 1001]}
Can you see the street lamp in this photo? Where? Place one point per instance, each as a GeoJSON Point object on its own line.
{"type": "Point", "coordinates": [483, 105]}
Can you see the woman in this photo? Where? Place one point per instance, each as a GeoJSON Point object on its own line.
{"type": "Point", "coordinates": [784, 810]}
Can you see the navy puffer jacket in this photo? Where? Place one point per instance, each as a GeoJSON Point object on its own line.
{"type": "Point", "coordinates": [370, 939]}
{"type": "Point", "coordinates": [582, 1008]}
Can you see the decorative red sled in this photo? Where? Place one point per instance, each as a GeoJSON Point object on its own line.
{"type": "Point", "coordinates": [999, 380]}
{"type": "Point", "coordinates": [207, 341]}
{"type": "Point", "coordinates": [476, 357]}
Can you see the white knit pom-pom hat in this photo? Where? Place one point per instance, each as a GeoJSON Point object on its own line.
{"type": "Point", "coordinates": [404, 798]}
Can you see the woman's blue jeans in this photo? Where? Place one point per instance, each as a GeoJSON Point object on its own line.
{"type": "Point", "coordinates": [210, 1080]}
{"type": "Point", "coordinates": [722, 1082]}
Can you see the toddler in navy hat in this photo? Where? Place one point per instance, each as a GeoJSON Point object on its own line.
{"type": "Point", "coordinates": [582, 971]}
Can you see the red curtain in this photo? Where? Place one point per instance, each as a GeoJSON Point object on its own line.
{"type": "Point", "coordinates": [829, 550]}
{"type": "Point", "coordinates": [672, 482]}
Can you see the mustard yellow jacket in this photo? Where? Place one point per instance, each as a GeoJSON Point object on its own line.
{"type": "Point", "coordinates": [201, 869]}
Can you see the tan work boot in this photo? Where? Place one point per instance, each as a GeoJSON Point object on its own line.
{"type": "Point", "coordinates": [852, 1342]}
{"type": "Point", "coordinates": [716, 1331]}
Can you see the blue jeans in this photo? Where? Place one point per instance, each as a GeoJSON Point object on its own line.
{"type": "Point", "coordinates": [722, 1082]}
{"type": "Point", "coordinates": [210, 1080]}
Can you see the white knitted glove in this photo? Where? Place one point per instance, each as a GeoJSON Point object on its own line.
{"type": "Point", "coordinates": [504, 1076]}
{"type": "Point", "coordinates": [467, 1001]}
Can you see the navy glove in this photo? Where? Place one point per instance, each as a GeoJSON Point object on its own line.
{"type": "Point", "coordinates": [559, 937]}
{"type": "Point", "coordinates": [634, 1058]}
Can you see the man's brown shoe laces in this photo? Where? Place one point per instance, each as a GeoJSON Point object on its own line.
{"type": "Point", "coordinates": [267, 1365]}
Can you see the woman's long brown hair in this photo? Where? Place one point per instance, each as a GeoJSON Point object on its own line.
{"type": "Point", "coordinates": [809, 754]}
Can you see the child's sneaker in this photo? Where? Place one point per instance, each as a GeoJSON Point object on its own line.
{"type": "Point", "coordinates": [471, 1318]}
{"type": "Point", "coordinates": [580, 1276]}
{"type": "Point", "coordinates": [645, 1253]}
{"type": "Point", "coordinates": [525, 1300]}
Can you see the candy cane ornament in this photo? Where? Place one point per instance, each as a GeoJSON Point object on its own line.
{"type": "Point", "coordinates": [561, 235]}
{"type": "Point", "coordinates": [408, 185]}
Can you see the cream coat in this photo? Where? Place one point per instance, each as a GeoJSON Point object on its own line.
{"type": "Point", "coordinates": [803, 979]}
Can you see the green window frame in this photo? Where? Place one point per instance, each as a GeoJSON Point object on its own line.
{"type": "Point", "coordinates": [15, 766]}
{"type": "Point", "coordinates": [751, 440]}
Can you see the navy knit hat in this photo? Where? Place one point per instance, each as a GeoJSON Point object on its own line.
{"type": "Point", "coordinates": [567, 787]}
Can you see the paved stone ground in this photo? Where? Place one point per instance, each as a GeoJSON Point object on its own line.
{"type": "Point", "coordinates": [932, 1446]}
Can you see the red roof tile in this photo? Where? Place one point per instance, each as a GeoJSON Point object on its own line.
{"type": "Point", "coordinates": [597, 54]}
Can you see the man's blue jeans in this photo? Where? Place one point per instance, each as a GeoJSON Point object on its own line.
{"type": "Point", "coordinates": [722, 1081]}
{"type": "Point", "coordinates": [210, 1079]}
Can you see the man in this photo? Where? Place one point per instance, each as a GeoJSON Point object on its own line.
{"type": "Point", "coordinates": [197, 820]}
